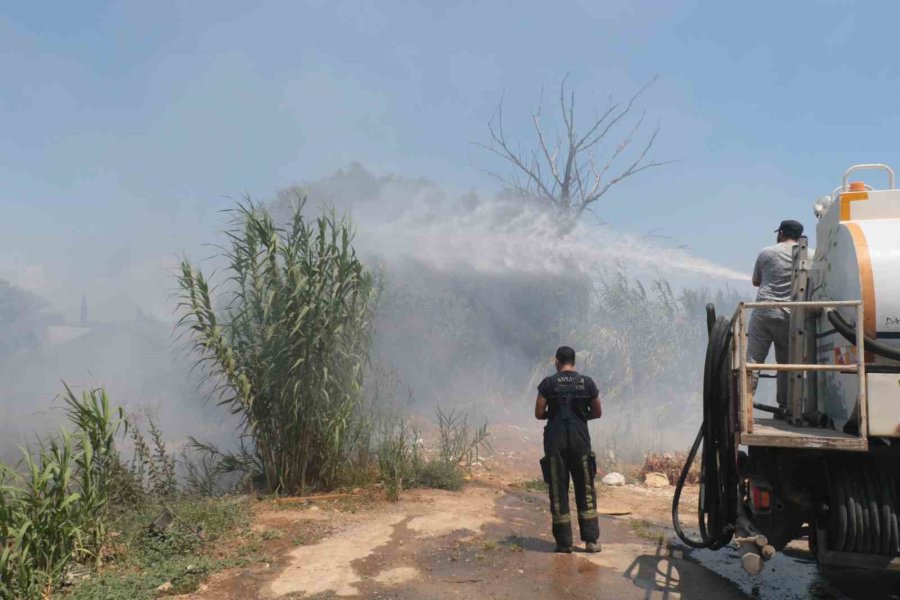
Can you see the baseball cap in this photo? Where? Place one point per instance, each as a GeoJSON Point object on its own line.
{"type": "Point", "coordinates": [790, 228]}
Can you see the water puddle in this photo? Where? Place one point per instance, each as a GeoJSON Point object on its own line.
{"type": "Point", "coordinates": [790, 577]}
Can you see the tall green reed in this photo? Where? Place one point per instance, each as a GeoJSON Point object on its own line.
{"type": "Point", "coordinates": [284, 340]}
{"type": "Point", "coordinates": [54, 506]}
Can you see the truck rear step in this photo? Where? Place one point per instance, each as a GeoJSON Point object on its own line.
{"type": "Point", "coordinates": [779, 433]}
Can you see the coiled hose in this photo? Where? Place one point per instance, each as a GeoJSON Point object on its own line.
{"type": "Point", "coordinates": [717, 512]}
{"type": "Point", "coordinates": [863, 510]}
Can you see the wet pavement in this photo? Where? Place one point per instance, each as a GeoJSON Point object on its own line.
{"type": "Point", "coordinates": [514, 558]}
{"type": "Point", "coordinates": [793, 575]}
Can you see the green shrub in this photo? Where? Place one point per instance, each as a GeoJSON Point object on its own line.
{"type": "Point", "coordinates": [179, 555]}
{"type": "Point", "coordinates": [440, 475]}
{"type": "Point", "coordinates": [402, 465]}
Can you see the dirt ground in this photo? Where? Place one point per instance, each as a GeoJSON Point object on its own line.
{"type": "Point", "coordinates": [483, 542]}
{"type": "Point", "coordinates": [492, 540]}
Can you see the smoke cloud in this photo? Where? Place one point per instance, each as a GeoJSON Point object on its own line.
{"type": "Point", "coordinates": [481, 290]}
{"type": "Point", "coordinates": [478, 292]}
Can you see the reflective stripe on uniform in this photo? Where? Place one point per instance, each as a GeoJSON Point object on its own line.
{"type": "Point", "coordinates": [587, 514]}
{"type": "Point", "coordinates": [560, 519]}
{"type": "Point", "coordinates": [588, 492]}
{"type": "Point", "coordinates": [554, 487]}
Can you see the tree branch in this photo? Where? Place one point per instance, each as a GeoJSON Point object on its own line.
{"type": "Point", "coordinates": [551, 160]}
{"type": "Point", "coordinates": [633, 169]}
{"type": "Point", "coordinates": [580, 182]}
{"type": "Point", "coordinates": [506, 153]}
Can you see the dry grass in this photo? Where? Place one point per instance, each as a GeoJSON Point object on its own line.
{"type": "Point", "coordinates": [669, 465]}
{"type": "Point", "coordinates": [646, 530]}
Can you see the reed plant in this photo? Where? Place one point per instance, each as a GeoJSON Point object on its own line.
{"type": "Point", "coordinates": [54, 505]}
{"type": "Point", "coordinates": [283, 341]}
{"type": "Point", "coordinates": [399, 461]}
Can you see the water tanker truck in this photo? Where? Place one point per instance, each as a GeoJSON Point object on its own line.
{"type": "Point", "coordinates": [827, 465]}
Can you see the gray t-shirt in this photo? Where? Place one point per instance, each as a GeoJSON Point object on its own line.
{"type": "Point", "coordinates": [773, 271]}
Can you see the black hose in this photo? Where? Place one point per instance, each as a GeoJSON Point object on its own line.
{"type": "Point", "coordinates": [841, 522]}
{"type": "Point", "coordinates": [863, 535]}
{"type": "Point", "coordinates": [849, 332]}
{"type": "Point", "coordinates": [717, 512]}
{"type": "Point", "coordinates": [850, 544]}
{"type": "Point", "coordinates": [871, 490]}
{"type": "Point", "coordinates": [864, 509]}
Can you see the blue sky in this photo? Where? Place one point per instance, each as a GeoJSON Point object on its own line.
{"type": "Point", "coordinates": [124, 129]}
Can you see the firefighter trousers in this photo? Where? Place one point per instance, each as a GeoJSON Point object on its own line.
{"type": "Point", "coordinates": [567, 452]}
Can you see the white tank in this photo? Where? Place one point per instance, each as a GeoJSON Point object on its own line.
{"type": "Point", "coordinates": [857, 257]}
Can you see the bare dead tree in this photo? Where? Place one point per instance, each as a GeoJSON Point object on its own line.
{"type": "Point", "coordinates": [577, 169]}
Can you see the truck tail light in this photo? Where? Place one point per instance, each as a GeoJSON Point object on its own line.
{"type": "Point", "coordinates": [762, 499]}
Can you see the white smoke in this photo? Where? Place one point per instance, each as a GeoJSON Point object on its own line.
{"type": "Point", "coordinates": [481, 290]}
{"type": "Point", "coordinates": [458, 269]}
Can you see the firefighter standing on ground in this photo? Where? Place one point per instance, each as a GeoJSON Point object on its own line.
{"type": "Point", "coordinates": [772, 275]}
{"type": "Point", "coordinates": [567, 401]}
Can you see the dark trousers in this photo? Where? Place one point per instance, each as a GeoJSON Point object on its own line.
{"type": "Point", "coordinates": [567, 451]}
